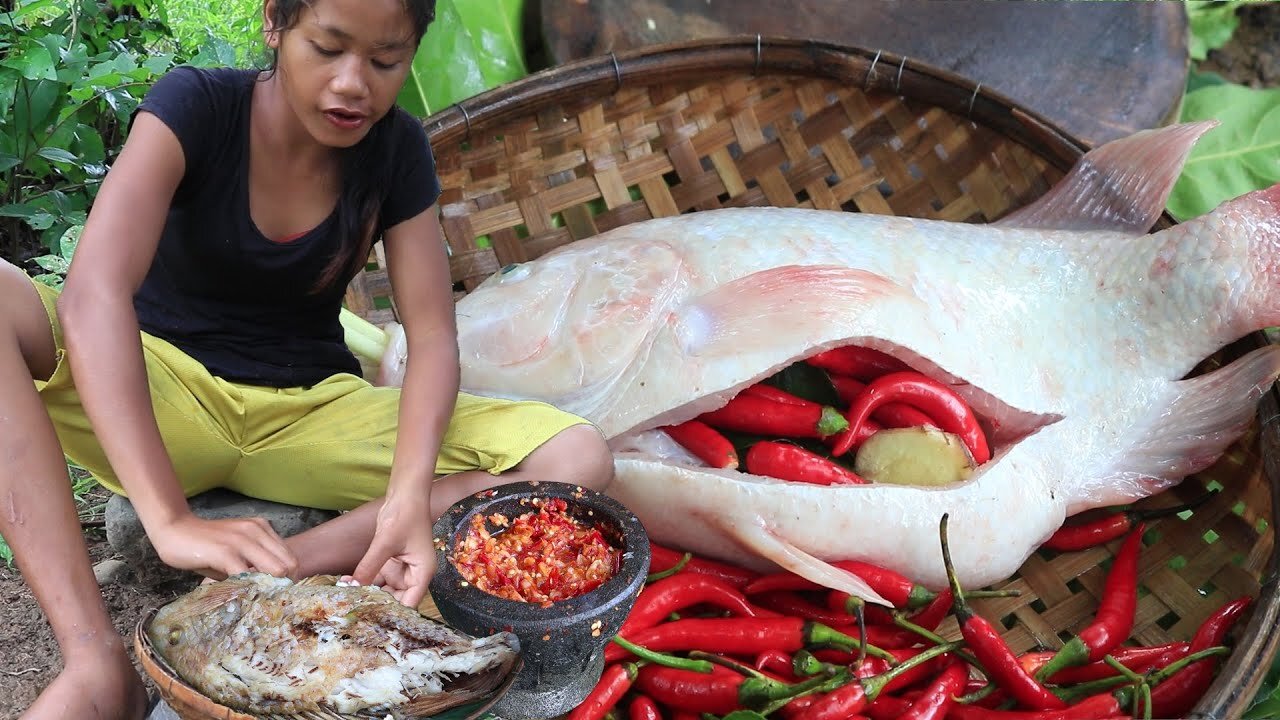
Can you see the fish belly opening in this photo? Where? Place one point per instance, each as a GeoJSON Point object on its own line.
{"type": "Point", "coordinates": [852, 415]}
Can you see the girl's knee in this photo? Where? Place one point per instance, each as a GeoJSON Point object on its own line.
{"type": "Point", "coordinates": [578, 455]}
{"type": "Point", "coordinates": [24, 322]}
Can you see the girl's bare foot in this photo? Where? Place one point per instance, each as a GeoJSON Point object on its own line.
{"type": "Point", "coordinates": [93, 688]}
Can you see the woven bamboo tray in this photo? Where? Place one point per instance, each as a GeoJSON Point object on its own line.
{"type": "Point", "coordinates": [599, 143]}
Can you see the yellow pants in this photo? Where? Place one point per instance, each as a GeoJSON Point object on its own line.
{"type": "Point", "coordinates": [327, 446]}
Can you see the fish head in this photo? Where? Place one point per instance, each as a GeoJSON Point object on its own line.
{"type": "Point", "coordinates": [187, 629]}
{"type": "Point", "coordinates": [575, 318]}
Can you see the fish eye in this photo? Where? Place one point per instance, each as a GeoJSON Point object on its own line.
{"type": "Point", "coordinates": [175, 635]}
{"type": "Point", "coordinates": [515, 272]}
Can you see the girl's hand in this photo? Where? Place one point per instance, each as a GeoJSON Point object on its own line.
{"type": "Point", "coordinates": [220, 548]}
{"type": "Point", "coordinates": [401, 557]}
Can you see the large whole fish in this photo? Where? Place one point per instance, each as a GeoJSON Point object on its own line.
{"type": "Point", "coordinates": [266, 645]}
{"type": "Point", "coordinates": [1066, 326]}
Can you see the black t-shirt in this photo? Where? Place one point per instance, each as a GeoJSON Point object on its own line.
{"type": "Point", "coordinates": [242, 304]}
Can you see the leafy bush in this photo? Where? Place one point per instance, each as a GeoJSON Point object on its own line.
{"type": "Point", "coordinates": [74, 73]}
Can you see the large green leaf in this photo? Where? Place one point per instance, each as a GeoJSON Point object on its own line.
{"type": "Point", "coordinates": [1240, 155]}
{"type": "Point", "coordinates": [472, 46]}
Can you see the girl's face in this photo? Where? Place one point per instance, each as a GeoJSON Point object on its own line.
{"type": "Point", "coordinates": [342, 63]}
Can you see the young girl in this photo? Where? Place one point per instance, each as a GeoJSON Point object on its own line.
{"type": "Point", "coordinates": [200, 323]}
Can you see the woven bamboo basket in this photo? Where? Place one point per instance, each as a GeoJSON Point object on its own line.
{"type": "Point", "coordinates": [588, 146]}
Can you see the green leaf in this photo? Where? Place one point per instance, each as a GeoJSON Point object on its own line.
{"type": "Point", "coordinates": [464, 53]}
{"type": "Point", "coordinates": [495, 28]}
{"type": "Point", "coordinates": [1242, 154]}
{"type": "Point", "coordinates": [8, 161]}
{"type": "Point", "coordinates": [804, 380]}
{"type": "Point", "coordinates": [744, 715]}
{"type": "Point", "coordinates": [53, 263]}
{"type": "Point", "coordinates": [58, 155]}
{"type": "Point", "coordinates": [37, 63]}
{"type": "Point", "coordinates": [1210, 25]}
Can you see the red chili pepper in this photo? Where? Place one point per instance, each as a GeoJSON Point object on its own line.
{"type": "Point", "coordinates": [1114, 619]}
{"type": "Point", "coordinates": [888, 707]}
{"type": "Point", "coordinates": [793, 605]}
{"type": "Point", "coordinates": [715, 693]}
{"type": "Point", "coordinates": [786, 461]}
{"type": "Point", "coordinates": [901, 415]}
{"type": "Point", "coordinates": [941, 694]}
{"type": "Point", "coordinates": [1139, 659]}
{"type": "Point", "coordinates": [839, 704]}
{"type": "Point", "coordinates": [761, 416]}
{"type": "Point", "coordinates": [789, 604]}
{"type": "Point", "coordinates": [891, 415]}
{"type": "Point", "coordinates": [1096, 707]}
{"type": "Point", "coordinates": [719, 692]}
{"type": "Point", "coordinates": [948, 410]}
{"type": "Point", "coordinates": [643, 708]}
{"type": "Point", "coordinates": [850, 605]}
{"type": "Point", "coordinates": [890, 585]}
{"type": "Point", "coordinates": [1084, 535]}
{"type": "Point", "coordinates": [984, 640]}
{"type": "Point", "coordinates": [775, 662]}
{"type": "Point", "coordinates": [612, 685]}
{"type": "Point", "coordinates": [862, 363]}
{"type": "Point", "coordinates": [769, 392]}
{"type": "Point", "coordinates": [662, 558]}
{"type": "Point", "coordinates": [1176, 696]}
{"type": "Point", "coordinates": [685, 715]}
{"type": "Point", "coordinates": [705, 442]}
{"type": "Point", "coordinates": [739, 636]}
{"type": "Point", "coordinates": [932, 615]}
{"type": "Point", "coordinates": [684, 590]}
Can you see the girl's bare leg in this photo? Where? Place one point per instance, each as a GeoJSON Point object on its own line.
{"type": "Point", "coordinates": [576, 455]}
{"type": "Point", "coordinates": [38, 519]}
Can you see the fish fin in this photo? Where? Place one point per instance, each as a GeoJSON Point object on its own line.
{"type": "Point", "coordinates": [1190, 431]}
{"type": "Point", "coordinates": [1121, 185]}
{"type": "Point", "coordinates": [464, 689]}
{"type": "Point", "coordinates": [317, 581]}
{"type": "Point", "coordinates": [208, 598]}
{"type": "Point", "coordinates": [758, 311]}
{"type": "Point", "coordinates": [757, 537]}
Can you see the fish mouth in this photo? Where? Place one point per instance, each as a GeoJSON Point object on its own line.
{"type": "Point", "coordinates": [1003, 425]}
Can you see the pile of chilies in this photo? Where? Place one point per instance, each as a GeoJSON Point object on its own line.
{"type": "Point", "coordinates": [877, 391]}
{"type": "Point", "coordinates": [710, 640]}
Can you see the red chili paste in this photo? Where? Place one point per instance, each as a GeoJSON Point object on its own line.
{"type": "Point", "coordinates": [540, 557]}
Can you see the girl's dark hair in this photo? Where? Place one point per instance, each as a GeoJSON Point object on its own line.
{"type": "Point", "coordinates": [364, 166]}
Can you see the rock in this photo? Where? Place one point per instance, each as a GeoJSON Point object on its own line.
{"type": "Point", "coordinates": [126, 536]}
{"type": "Point", "coordinates": [109, 571]}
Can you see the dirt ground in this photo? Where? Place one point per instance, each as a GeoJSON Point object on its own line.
{"type": "Point", "coordinates": [29, 659]}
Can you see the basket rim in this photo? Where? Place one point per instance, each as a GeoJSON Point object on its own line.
{"type": "Point", "coordinates": [877, 69]}
{"type": "Point", "coordinates": [1240, 677]}
{"type": "Point", "coordinates": [153, 661]}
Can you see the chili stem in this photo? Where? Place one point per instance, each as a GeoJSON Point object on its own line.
{"type": "Point", "coordinates": [1120, 668]}
{"type": "Point", "coordinates": [933, 637]}
{"type": "Point", "coordinates": [657, 658]}
{"type": "Point", "coordinates": [654, 577]}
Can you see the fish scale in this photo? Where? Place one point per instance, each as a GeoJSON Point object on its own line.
{"type": "Point", "coordinates": [1065, 326]}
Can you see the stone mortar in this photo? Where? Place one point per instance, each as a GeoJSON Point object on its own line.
{"type": "Point", "coordinates": [562, 645]}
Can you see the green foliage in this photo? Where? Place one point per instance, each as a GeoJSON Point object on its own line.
{"type": "Point", "coordinates": [1240, 155]}
{"type": "Point", "coordinates": [227, 33]}
{"type": "Point", "coordinates": [1211, 23]}
{"type": "Point", "coordinates": [471, 47]}
{"type": "Point", "coordinates": [74, 72]}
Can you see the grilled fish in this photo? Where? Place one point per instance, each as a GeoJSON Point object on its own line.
{"type": "Point", "coordinates": [266, 645]}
